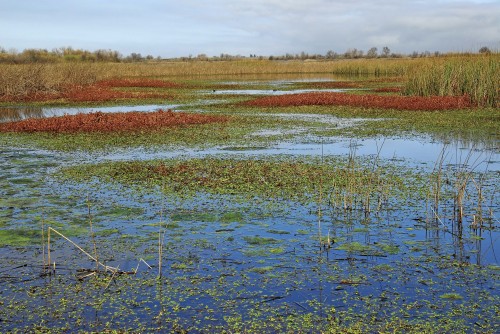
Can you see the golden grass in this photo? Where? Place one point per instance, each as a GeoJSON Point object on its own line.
{"type": "Point", "coordinates": [474, 75]}
{"type": "Point", "coordinates": [21, 80]}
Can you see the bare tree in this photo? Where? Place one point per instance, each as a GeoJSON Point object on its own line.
{"type": "Point", "coordinates": [485, 50]}
{"type": "Point", "coordinates": [372, 53]}
{"type": "Point", "coordinates": [386, 51]}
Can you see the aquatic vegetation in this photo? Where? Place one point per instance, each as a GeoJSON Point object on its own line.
{"type": "Point", "coordinates": [390, 249]}
{"type": "Point", "coordinates": [99, 94]}
{"type": "Point", "coordinates": [294, 180]}
{"type": "Point", "coordinates": [365, 100]}
{"type": "Point", "coordinates": [451, 295]}
{"type": "Point", "coordinates": [262, 270]}
{"type": "Point", "coordinates": [18, 237]}
{"type": "Point", "coordinates": [256, 240]}
{"type": "Point", "coordinates": [110, 122]}
{"type": "Point", "coordinates": [354, 247]}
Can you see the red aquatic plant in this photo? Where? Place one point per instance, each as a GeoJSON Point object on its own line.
{"type": "Point", "coordinates": [367, 101]}
{"type": "Point", "coordinates": [111, 122]}
{"type": "Point", "coordinates": [103, 94]}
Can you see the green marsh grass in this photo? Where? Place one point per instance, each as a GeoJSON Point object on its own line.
{"type": "Point", "coordinates": [273, 178]}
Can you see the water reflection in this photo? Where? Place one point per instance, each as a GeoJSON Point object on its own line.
{"type": "Point", "coordinates": [271, 91]}
{"type": "Point", "coordinates": [407, 151]}
{"type": "Point", "coordinates": [19, 113]}
{"type": "Point", "coordinates": [285, 77]}
{"type": "Point", "coordinates": [12, 114]}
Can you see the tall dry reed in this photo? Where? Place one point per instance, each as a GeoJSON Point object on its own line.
{"type": "Point", "coordinates": [32, 79]}
{"type": "Point", "coordinates": [477, 76]}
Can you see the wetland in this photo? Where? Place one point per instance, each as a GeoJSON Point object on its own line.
{"type": "Point", "coordinates": [244, 215]}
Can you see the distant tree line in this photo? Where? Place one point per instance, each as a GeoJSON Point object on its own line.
{"type": "Point", "coordinates": [68, 54]}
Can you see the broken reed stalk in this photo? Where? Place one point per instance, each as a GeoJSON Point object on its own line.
{"type": "Point", "coordinates": [478, 217]}
{"type": "Point", "coordinates": [106, 268]}
{"type": "Point", "coordinates": [48, 247]}
{"type": "Point", "coordinates": [374, 178]}
{"type": "Point", "coordinates": [436, 186]}
{"type": "Point", "coordinates": [160, 244]}
{"type": "Point", "coordinates": [111, 278]}
{"type": "Point", "coordinates": [43, 243]}
{"type": "Point", "coordinates": [92, 234]}
{"type": "Point", "coordinates": [463, 176]}
{"type": "Point", "coordinates": [320, 196]}
{"type": "Point", "coordinates": [349, 194]}
{"type": "Point", "coordinates": [139, 263]}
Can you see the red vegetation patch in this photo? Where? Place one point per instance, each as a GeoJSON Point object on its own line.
{"type": "Point", "coordinates": [103, 94]}
{"type": "Point", "coordinates": [33, 97]}
{"type": "Point", "coordinates": [100, 92]}
{"type": "Point", "coordinates": [138, 83]}
{"type": "Point", "coordinates": [110, 122]}
{"type": "Point", "coordinates": [368, 101]}
{"type": "Point", "coordinates": [83, 94]}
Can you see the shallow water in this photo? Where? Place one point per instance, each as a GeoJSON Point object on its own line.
{"type": "Point", "coordinates": [270, 91]}
{"type": "Point", "coordinates": [12, 114]}
{"type": "Point", "coordinates": [417, 151]}
{"type": "Point", "coordinates": [227, 257]}
{"type": "Point", "coordinates": [211, 263]}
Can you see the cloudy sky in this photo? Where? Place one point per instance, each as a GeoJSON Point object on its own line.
{"type": "Point", "coordinates": [171, 28]}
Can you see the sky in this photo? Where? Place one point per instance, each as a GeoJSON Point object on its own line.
{"type": "Point", "coordinates": [176, 28]}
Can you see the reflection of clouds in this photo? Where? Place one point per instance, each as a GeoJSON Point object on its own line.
{"type": "Point", "coordinates": [421, 152]}
{"type": "Point", "coordinates": [17, 114]}
{"type": "Point", "coordinates": [20, 113]}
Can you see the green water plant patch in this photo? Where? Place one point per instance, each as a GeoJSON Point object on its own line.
{"type": "Point", "coordinates": [275, 178]}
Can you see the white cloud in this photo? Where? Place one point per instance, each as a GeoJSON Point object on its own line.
{"type": "Point", "coordinates": [173, 28]}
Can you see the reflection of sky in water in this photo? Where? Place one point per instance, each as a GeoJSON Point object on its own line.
{"type": "Point", "coordinates": [419, 150]}
{"type": "Point", "coordinates": [271, 91]}
{"type": "Point", "coordinates": [20, 113]}
{"type": "Point", "coordinates": [414, 150]}
{"type": "Point", "coordinates": [410, 151]}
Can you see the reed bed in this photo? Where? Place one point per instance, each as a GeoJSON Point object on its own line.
{"type": "Point", "coordinates": [241, 67]}
{"type": "Point", "coordinates": [456, 192]}
{"type": "Point", "coordinates": [477, 77]}
{"type": "Point", "coordinates": [18, 82]}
